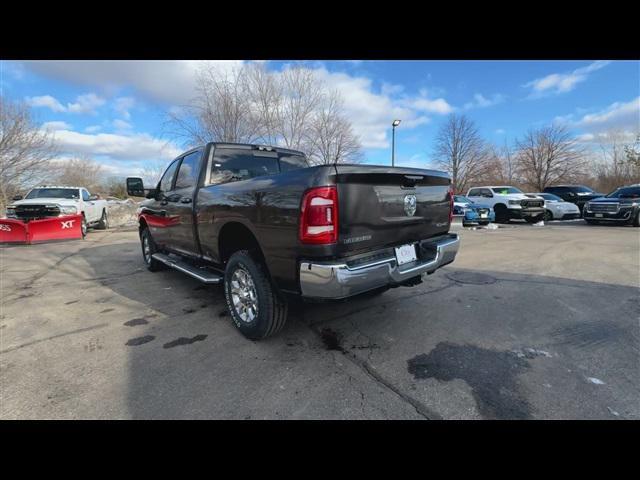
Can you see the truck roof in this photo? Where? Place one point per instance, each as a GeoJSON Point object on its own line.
{"type": "Point", "coordinates": [55, 186]}
{"type": "Point", "coordinates": [251, 146]}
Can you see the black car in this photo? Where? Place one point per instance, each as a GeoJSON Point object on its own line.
{"type": "Point", "coordinates": [577, 194]}
{"type": "Point", "coordinates": [620, 206]}
{"type": "Point", "coordinates": [269, 227]}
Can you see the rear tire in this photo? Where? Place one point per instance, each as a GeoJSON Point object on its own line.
{"type": "Point", "coordinates": [148, 249]}
{"type": "Point", "coordinates": [103, 224]}
{"type": "Point", "coordinates": [636, 220]}
{"type": "Point", "coordinates": [548, 215]}
{"type": "Point", "coordinates": [256, 308]}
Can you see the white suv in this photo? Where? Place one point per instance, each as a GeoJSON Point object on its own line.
{"type": "Point", "coordinates": [509, 202]}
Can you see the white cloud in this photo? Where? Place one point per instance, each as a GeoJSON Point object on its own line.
{"type": "Point", "coordinates": [117, 147]}
{"type": "Point", "coordinates": [123, 105]}
{"type": "Point", "coordinates": [93, 128]}
{"type": "Point", "coordinates": [439, 105]}
{"type": "Point", "coordinates": [556, 83]}
{"type": "Point", "coordinates": [87, 104]}
{"type": "Point", "coordinates": [56, 125]}
{"type": "Point", "coordinates": [618, 114]}
{"type": "Point", "coordinates": [45, 101]}
{"type": "Point", "coordinates": [419, 160]}
{"type": "Point", "coordinates": [122, 125]}
{"type": "Point", "coordinates": [480, 101]}
{"type": "Point", "coordinates": [166, 81]}
{"type": "Point", "coordinates": [371, 113]}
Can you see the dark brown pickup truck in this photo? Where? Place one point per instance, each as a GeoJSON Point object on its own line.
{"type": "Point", "coordinates": [270, 228]}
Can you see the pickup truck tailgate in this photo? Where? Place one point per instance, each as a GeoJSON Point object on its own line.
{"type": "Point", "coordinates": [376, 205]}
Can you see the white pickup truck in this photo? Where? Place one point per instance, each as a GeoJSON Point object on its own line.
{"type": "Point", "coordinates": [52, 201]}
{"type": "Point", "coordinates": [509, 202]}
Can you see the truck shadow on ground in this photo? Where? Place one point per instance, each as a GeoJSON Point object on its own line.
{"type": "Point", "coordinates": [451, 328]}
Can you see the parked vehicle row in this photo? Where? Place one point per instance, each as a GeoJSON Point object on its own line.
{"type": "Point", "coordinates": [269, 228]}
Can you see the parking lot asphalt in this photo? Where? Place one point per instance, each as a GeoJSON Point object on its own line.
{"type": "Point", "coordinates": [528, 323]}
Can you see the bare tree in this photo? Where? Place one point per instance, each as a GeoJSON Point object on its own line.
{"type": "Point", "coordinates": [461, 151]}
{"type": "Point", "coordinates": [221, 110]}
{"type": "Point", "coordinates": [25, 149]}
{"type": "Point", "coordinates": [79, 172]}
{"type": "Point", "coordinates": [615, 165]}
{"type": "Point", "coordinates": [152, 170]}
{"type": "Point", "coordinates": [548, 155]}
{"type": "Point", "coordinates": [114, 186]}
{"type": "Point", "coordinates": [266, 97]}
{"type": "Point", "coordinates": [253, 105]}
{"type": "Point", "coordinates": [302, 97]}
{"type": "Point", "coordinates": [331, 138]}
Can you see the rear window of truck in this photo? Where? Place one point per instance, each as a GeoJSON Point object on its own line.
{"type": "Point", "coordinates": [230, 165]}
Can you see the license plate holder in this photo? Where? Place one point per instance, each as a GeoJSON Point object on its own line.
{"type": "Point", "coordinates": [406, 254]}
{"type": "Point", "coordinates": [599, 215]}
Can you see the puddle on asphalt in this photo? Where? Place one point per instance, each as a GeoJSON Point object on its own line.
{"type": "Point", "coordinates": [136, 321]}
{"type": "Point", "coordinates": [471, 278]}
{"type": "Point", "coordinates": [184, 341]}
{"type": "Point", "coordinates": [134, 342]}
{"type": "Point", "coordinates": [491, 375]}
{"type": "Point", "coordinates": [331, 339]}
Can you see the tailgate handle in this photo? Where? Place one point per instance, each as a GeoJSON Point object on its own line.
{"type": "Point", "coordinates": [411, 180]}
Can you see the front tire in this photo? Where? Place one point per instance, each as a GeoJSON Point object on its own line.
{"type": "Point", "coordinates": [103, 224]}
{"type": "Point", "coordinates": [548, 215]}
{"type": "Point", "coordinates": [84, 227]}
{"type": "Point", "coordinates": [256, 309]}
{"type": "Point", "coordinates": [148, 249]}
{"type": "Point", "coordinates": [592, 222]}
{"type": "Point", "coordinates": [636, 220]}
{"type": "Point", "coordinates": [502, 214]}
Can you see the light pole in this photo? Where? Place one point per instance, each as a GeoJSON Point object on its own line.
{"type": "Point", "coordinates": [393, 141]}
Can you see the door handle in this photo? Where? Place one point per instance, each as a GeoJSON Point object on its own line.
{"type": "Point", "coordinates": [185, 200]}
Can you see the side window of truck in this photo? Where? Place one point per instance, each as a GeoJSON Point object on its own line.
{"type": "Point", "coordinates": [167, 178]}
{"type": "Point", "coordinates": [232, 165]}
{"type": "Point", "coordinates": [188, 172]}
{"type": "Point", "coordinates": [85, 195]}
{"type": "Point", "coordinates": [474, 192]}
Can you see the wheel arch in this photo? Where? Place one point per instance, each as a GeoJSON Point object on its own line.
{"type": "Point", "coordinates": [234, 236]}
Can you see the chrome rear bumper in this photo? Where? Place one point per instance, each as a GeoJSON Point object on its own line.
{"type": "Point", "coordinates": [339, 280]}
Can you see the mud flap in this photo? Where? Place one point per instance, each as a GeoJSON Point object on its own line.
{"type": "Point", "coordinates": [67, 227]}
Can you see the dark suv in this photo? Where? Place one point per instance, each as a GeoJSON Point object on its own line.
{"type": "Point", "coordinates": [620, 206]}
{"type": "Point", "coordinates": [578, 194]}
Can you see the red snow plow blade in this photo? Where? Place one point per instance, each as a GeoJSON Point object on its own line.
{"type": "Point", "coordinates": [55, 228]}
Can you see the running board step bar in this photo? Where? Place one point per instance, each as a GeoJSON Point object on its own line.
{"type": "Point", "coordinates": [201, 274]}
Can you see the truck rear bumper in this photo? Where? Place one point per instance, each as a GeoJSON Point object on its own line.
{"type": "Point", "coordinates": [339, 280]}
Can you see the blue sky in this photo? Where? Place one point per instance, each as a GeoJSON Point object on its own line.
{"type": "Point", "coordinates": [115, 111]}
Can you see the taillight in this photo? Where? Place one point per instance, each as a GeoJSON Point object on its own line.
{"type": "Point", "coordinates": [319, 216]}
{"type": "Point", "coordinates": [450, 205]}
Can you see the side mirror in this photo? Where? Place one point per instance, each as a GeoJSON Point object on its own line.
{"type": "Point", "coordinates": [135, 187]}
{"type": "Point", "coordinates": [94, 197]}
{"type": "Point", "coordinates": [17, 197]}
